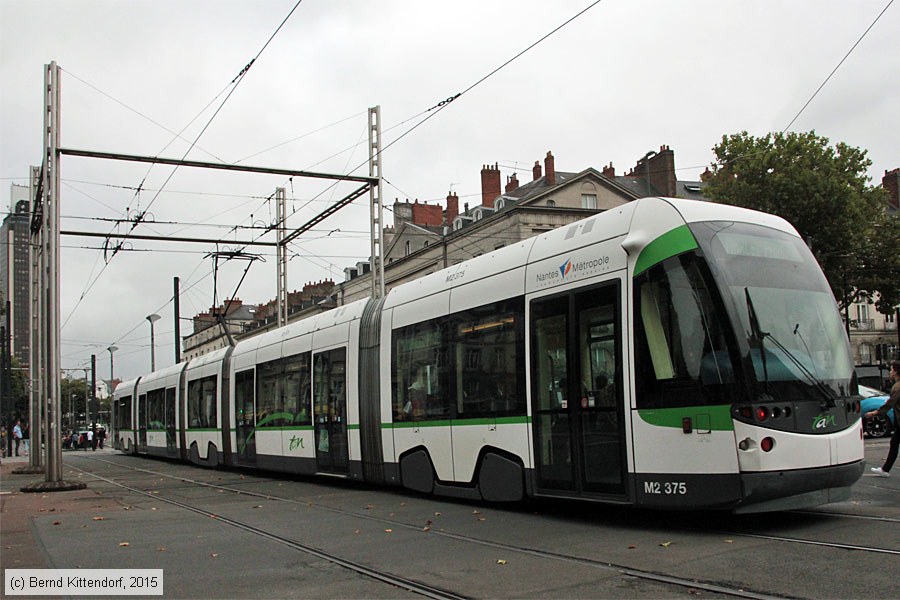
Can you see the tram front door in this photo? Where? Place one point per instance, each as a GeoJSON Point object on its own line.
{"type": "Point", "coordinates": [330, 411]}
{"type": "Point", "coordinates": [577, 399]}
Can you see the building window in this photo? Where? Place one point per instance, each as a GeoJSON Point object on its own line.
{"type": "Point", "coordinates": [551, 203]}
{"type": "Point", "coordinates": [589, 201]}
{"type": "Point", "coordinates": [865, 353]}
{"type": "Point", "coordinates": [408, 248]}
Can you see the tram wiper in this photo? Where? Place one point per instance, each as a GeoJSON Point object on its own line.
{"type": "Point", "coordinates": [817, 383]}
{"type": "Point", "coordinates": [757, 335]}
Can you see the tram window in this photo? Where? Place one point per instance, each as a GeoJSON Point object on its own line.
{"type": "Point", "coordinates": [330, 379]}
{"type": "Point", "coordinates": [682, 357]}
{"type": "Point", "coordinates": [201, 403]}
{"type": "Point", "coordinates": [270, 394]}
{"type": "Point", "coordinates": [170, 407]}
{"type": "Point", "coordinates": [124, 417]}
{"type": "Point", "coordinates": [155, 408]}
{"type": "Point", "coordinates": [597, 338]}
{"type": "Point", "coordinates": [488, 353]}
{"type": "Point", "coordinates": [419, 372]}
{"type": "Point", "coordinates": [297, 389]}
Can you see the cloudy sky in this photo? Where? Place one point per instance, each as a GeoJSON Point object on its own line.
{"type": "Point", "coordinates": [623, 78]}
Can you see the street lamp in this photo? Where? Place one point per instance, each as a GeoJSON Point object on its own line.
{"type": "Point", "coordinates": [153, 319]}
{"type": "Point", "coordinates": [111, 371]}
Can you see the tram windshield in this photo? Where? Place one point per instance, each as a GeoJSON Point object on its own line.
{"type": "Point", "coordinates": [782, 308]}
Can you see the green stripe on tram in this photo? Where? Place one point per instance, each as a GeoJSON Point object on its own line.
{"type": "Point", "coordinates": [714, 418]}
{"type": "Point", "coordinates": [665, 246]}
{"type": "Point", "coordinates": [458, 422]}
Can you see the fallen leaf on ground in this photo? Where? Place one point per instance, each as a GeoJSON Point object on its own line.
{"type": "Point", "coordinates": [99, 518]}
{"type": "Point", "coordinates": [123, 544]}
{"type": "Point", "coordinates": [501, 561]}
{"type": "Point", "coordinates": [666, 544]}
{"type": "Point", "coordinates": [389, 531]}
{"type": "Point", "coordinates": [56, 522]}
{"type": "Point", "coordinates": [631, 546]}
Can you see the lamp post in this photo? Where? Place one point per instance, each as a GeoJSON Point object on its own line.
{"type": "Point", "coordinates": [111, 370]}
{"type": "Point", "coordinates": [153, 319]}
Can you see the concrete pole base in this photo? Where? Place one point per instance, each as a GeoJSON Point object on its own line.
{"type": "Point", "coordinates": [53, 486]}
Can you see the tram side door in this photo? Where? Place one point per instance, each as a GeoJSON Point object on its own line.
{"type": "Point", "coordinates": [330, 410]}
{"type": "Point", "coordinates": [143, 418]}
{"type": "Point", "coordinates": [577, 400]}
{"type": "Point", "coordinates": [245, 416]}
{"type": "Point", "coordinates": [169, 415]}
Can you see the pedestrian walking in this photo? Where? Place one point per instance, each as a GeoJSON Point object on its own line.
{"type": "Point", "coordinates": [893, 403]}
{"type": "Point", "coordinates": [26, 437]}
{"type": "Point", "coordinates": [17, 434]}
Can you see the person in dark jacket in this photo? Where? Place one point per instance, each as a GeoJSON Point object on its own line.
{"type": "Point", "coordinates": [893, 403]}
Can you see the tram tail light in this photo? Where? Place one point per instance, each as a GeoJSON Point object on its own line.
{"type": "Point", "coordinates": [746, 412]}
{"type": "Point", "coordinates": [767, 444]}
{"type": "Point", "coordinates": [762, 413]}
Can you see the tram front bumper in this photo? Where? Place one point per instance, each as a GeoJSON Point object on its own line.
{"type": "Point", "coordinates": [802, 488]}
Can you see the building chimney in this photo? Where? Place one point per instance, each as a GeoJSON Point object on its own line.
{"type": "Point", "coordinates": [536, 170]}
{"type": "Point", "coordinates": [609, 171]}
{"type": "Point", "coordinates": [659, 169]}
{"type": "Point", "coordinates": [549, 169]}
{"type": "Point", "coordinates": [490, 184]}
{"type": "Point", "coordinates": [452, 207]}
{"type": "Point", "coordinates": [891, 182]}
{"type": "Point", "coordinates": [512, 183]}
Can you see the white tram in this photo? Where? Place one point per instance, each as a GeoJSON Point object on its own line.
{"type": "Point", "coordinates": [667, 353]}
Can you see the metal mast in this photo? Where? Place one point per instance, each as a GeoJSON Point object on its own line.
{"type": "Point", "coordinates": [35, 339]}
{"type": "Point", "coordinates": [376, 212]}
{"type": "Point", "coordinates": [49, 289]}
{"type": "Point", "coordinates": [281, 256]}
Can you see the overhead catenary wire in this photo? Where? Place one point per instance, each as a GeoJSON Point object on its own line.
{"type": "Point", "coordinates": [833, 71]}
{"type": "Point", "coordinates": [234, 84]}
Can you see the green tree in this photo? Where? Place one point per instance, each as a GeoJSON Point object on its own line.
{"type": "Point", "coordinates": [73, 396]}
{"type": "Point", "coordinates": [18, 389]}
{"type": "Point", "coordinates": [824, 192]}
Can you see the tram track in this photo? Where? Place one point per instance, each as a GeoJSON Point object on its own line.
{"type": "Point", "coordinates": [359, 568]}
{"type": "Point", "coordinates": [731, 533]}
{"type": "Point", "coordinates": [693, 585]}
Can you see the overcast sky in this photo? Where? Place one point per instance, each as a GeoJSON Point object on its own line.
{"type": "Point", "coordinates": [623, 78]}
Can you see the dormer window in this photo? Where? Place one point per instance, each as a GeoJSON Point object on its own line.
{"type": "Point", "coordinates": [551, 203]}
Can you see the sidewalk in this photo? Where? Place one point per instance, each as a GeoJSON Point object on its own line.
{"type": "Point", "coordinates": [20, 547]}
